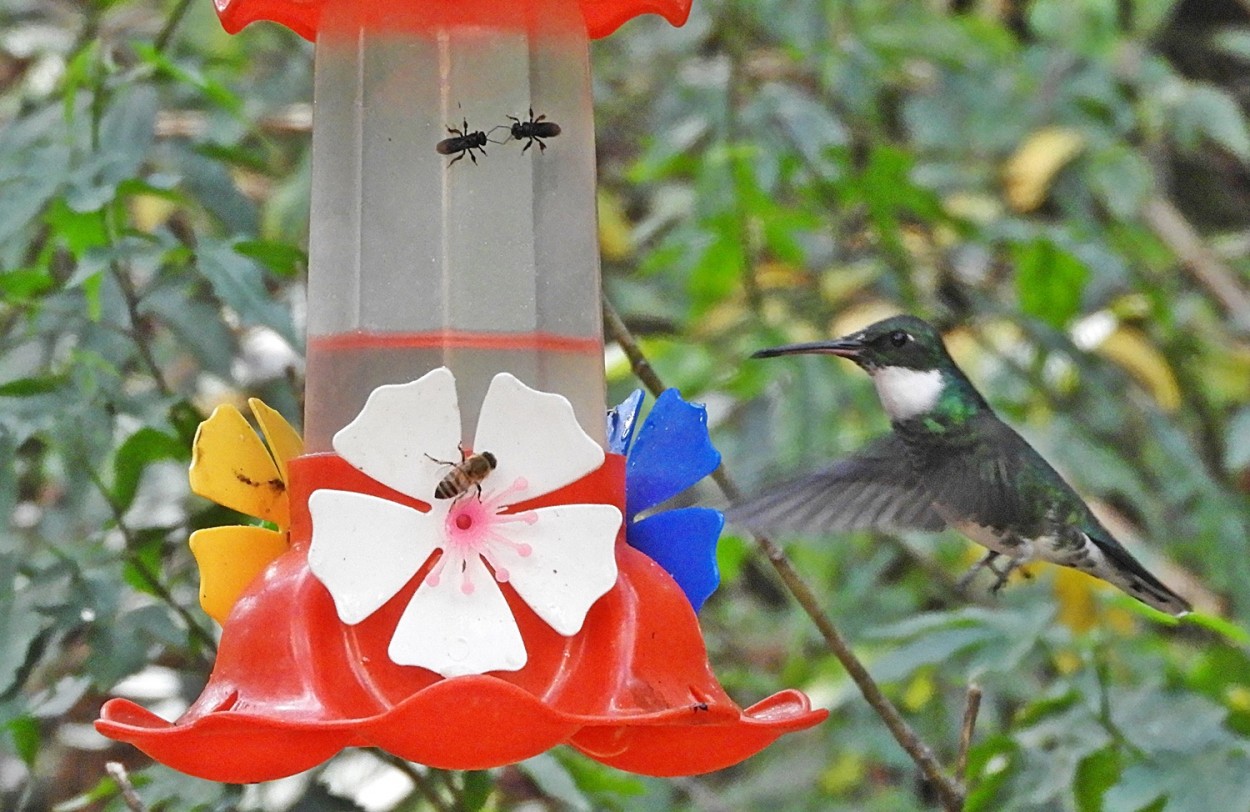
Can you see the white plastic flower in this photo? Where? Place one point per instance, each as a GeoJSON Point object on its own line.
{"type": "Point", "coordinates": [559, 559]}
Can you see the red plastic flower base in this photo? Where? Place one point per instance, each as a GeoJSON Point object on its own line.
{"type": "Point", "coordinates": [293, 684]}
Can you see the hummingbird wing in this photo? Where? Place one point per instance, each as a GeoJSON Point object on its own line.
{"type": "Point", "coordinates": [980, 473]}
{"type": "Point", "coordinates": [871, 490]}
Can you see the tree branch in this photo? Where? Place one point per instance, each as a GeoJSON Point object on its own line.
{"type": "Point", "coordinates": [951, 791]}
{"type": "Point", "coordinates": [1170, 225]}
{"type": "Point", "coordinates": [971, 709]}
{"type": "Point", "coordinates": [117, 771]}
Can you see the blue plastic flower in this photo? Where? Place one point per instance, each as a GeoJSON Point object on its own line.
{"type": "Point", "coordinates": [672, 453]}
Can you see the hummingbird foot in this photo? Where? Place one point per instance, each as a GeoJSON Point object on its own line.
{"type": "Point", "coordinates": [1000, 574]}
{"type": "Point", "coordinates": [966, 578]}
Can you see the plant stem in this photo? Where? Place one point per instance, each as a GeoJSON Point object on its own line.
{"type": "Point", "coordinates": [193, 627]}
{"type": "Point", "coordinates": [971, 709]}
{"type": "Point", "coordinates": [117, 771]}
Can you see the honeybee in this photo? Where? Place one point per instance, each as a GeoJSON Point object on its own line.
{"type": "Point", "coordinates": [464, 475]}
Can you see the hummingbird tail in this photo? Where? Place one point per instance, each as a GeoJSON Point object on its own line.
{"type": "Point", "coordinates": [1122, 570]}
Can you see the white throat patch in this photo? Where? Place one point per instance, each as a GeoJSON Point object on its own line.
{"type": "Point", "coordinates": [906, 393]}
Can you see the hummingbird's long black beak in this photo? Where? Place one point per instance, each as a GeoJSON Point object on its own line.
{"type": "Point", "coordinates": [844, 347]}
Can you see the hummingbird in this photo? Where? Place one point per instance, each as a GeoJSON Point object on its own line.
{"type": "Point", "coordinates": [948, 461]}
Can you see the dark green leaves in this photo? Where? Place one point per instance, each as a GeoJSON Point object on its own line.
{"type": "Point", "coordinates": [145, 446]}
{"type": "Point", "coordinates": [238, 282]}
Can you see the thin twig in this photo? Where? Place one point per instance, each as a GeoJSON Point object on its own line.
{"type": "Point", "coordinates": [971, 709]}
{"type": "Point", "coordinates": [131, 300]}
{"type": "Point", "coordinates": [950, 791]}
{"type": "Point", "coordinates": [117, 771]}
{"type": "Point", "coordinates": [193, 627]}
{"type": "Point", "coordinates": [167, 30]}
{"type": "Point", "coordinates": [1169, 223]}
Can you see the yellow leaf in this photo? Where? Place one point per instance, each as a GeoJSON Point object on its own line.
{"type": "Point", "coordinates": [844, 773]}
{"type": "Point", "coordinates": [149, 212]}
{"type": "Point", "coordinates": [779, 276]}
{"type": "Point", "coordinates": [1068, 662]}
{"type": "Point", "coordinates": [1029, 173]}
{"type": "Point", "coordinates": [1237, 697]}
{"type": "Point", "coordinates": [284, 441]}
{"type": "Point", "coordinates": [861, 315]}
{"type": "Point", "coordinates": [616, 236]}
{"type": "Point", "coordinates": [1131, 350]}
{"type": "Point", "coordinates": [1074, 592]}
{"type": "Point", "coordinates": [230, 465]}
{"type": "Point", "coordinates": [229, 559]}
{"type": "Point", "coordinates": [919, 692]}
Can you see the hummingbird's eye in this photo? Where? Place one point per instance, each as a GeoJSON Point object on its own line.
{"type": "Point", "coordinates": [898, 338]}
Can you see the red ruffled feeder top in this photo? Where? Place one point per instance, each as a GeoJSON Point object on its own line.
{"type": "Point", "coordinates": [304, 17]}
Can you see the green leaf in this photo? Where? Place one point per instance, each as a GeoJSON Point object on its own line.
{"type": "Point", "coordinates": [20, 624]}
{"type": "Point", "coordinates": [1051, 753]}
{"type": "Point", "coordinates": [145, 446]}
{"type": "Point", "coordinates": [478, 786]}
{"type": "Point", "coordinates": [239, 283]}
{"type": "Point", "coordinates": [1159, 722]}
{"type": "Point", "coordinates": [1049, 281]}
{"type": "Point", "coordinates": [1230, 630]}
{"type": "Point", "coordinates": [197, 323]}
{"type": "Point", "coordinates": [1206, 110]}
{"type": "Point", "coordinates": [126, 132]}
{"type": "Point", "coordinates": [1237, 441]}
{"type": "Point", "coordinates": [143, 565]}
{"type": "Point", "coordinates": [1122, 179]}
{"type": "Point", "coordinates": [1190, 781]}
{"type": "Point", "coordinates": [77, 231]}
{"type": "Point", "coordinates": [933, 648]}
{"type": "Point", "coordinates": [1234, 42]}
{"type": "Point", "coordinates": [1094, 776]}
{"type": "Point", "coordinates": [554, 781]}
{"type": "Point", "coordinates": [186, 419]}
{"type": "Point", "coordinates": [282, 259]}
{"type": "Point", "coordinates": [25, 283]}
{"type": "Point", "coordinates": [217, 94]}
{"type": "Point", "coordinates": [28, 387]}
{"type": "Point", "coordinates": [597, 779]}
{"type": "Point", "coordinates": [25, 733]}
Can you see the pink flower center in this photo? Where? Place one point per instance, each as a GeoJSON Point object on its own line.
{"type": "Point", "coordinates": [475, 527]}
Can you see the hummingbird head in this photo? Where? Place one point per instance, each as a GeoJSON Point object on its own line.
{"type": "Point", "coordinates": [899, 341]}
{"type": "Point", "coordinates": [904, 355]}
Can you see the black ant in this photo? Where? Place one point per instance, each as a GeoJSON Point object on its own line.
{"type": "Point", "coordinates": [463, 143]}
{"type": "Point", "coordinates": [534, 130]}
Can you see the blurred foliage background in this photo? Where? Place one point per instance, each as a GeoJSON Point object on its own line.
{"type": "Point", "coordinates": [1062, 185]}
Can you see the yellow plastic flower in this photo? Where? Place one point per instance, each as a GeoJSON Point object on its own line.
{"type": "Point", "coordinates": [231, 466]}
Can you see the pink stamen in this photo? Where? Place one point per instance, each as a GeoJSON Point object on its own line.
{"type": "Point", "coordinates": [436, 573]}
{"type": "Point", "coordinates": [522, 549]}
{"type": "Point", "coordinates": [472, 528]}
{"type": "Point", "coordinates": [501, 572]}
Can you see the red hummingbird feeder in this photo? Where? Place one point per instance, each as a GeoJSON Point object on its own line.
{"type": "Point", "coordinates": [406, 595]}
